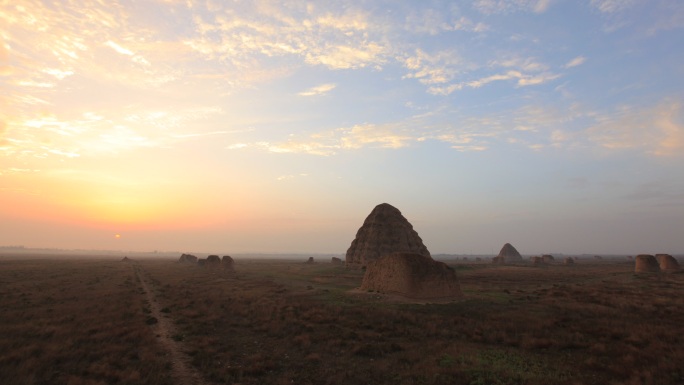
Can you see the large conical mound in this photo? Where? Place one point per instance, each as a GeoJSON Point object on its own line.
{"type": "Point", "coordinates": [411, 275]}
{"type": "Point", "coordinates": [383, 232]}
{"type": "Point", "coordinates": [508, 253]}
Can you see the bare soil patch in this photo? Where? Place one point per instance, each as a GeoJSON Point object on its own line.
{"type": "Point", "coordinates": [169, 338]}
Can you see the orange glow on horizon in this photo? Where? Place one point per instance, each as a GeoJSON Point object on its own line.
{"type": "Point", "coordinates": [136, 207]}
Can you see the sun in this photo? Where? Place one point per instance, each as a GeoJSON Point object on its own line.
{"type": "Point", "coordinates": [117, 236]}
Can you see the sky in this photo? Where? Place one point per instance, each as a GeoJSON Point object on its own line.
{"type": "Point", "coordinates": [276, 126]}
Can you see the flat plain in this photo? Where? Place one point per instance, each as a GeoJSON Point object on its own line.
{"type": "Point", "coordinates": [154, 321]}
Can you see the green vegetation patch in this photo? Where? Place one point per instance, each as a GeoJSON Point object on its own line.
{"type": "Point", "coordinates": [503, 367]}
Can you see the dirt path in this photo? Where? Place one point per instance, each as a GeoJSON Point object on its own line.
{"type": "Point", "coordinates": [183, 372]}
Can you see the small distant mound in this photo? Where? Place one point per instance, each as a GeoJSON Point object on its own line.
{"type": "Point", "coordinates": [213, 261]}
{"type": "Point", "coordinates": [598, 257]}
{"type": "Point", "coordinates": [187, 258]}
{"type": "Point", "coordinates": [508, 254]}
{"type": "Point", "coordinates": [646, 263]}
{"type": "Point", "coordinates": [478, 259]}
{"type": "Point", "coordinates": [228, 263]}
{"type": "Point", "coordinates": [548, 258]}
{"type": "Point", "coordinates": [336, 261]}
{"type": "Point", "coordinates": [126, 259]}
{"type": "Point", "coordinates": [569, 260]}
{"type": "Point", "coordinates": [411, 275]}
{"type": "Point", "coordinates": [667, 263]}
{"type": "Point", "coordinates": [537, 261]}
{"type": "Point", "coordinates": [310, 260]}
{"type": "Point", "coordinates": [498, 260]}
{"type": "Point", "coordinates": [384, 231]}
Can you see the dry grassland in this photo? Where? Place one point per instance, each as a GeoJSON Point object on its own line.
{"type": "Point", "coordinates": [278, 322]}
{"type": "Point", "coordinates": [75, 322]}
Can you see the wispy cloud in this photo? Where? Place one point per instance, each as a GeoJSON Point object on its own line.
{"type": "Point", "coordinates": [434, 69]}
{"type": "Point", "coordinates": [119, 48]}
{"type": "Point", "coordinates": [318, 90]}
{"type": "Point", "coordinates": [434, 21]}
{"type": "Point", "coordinates": [339, 41]}
{"type": "Point", "coordinates": [507, 6]}
{"type": "Point", "coordinates": [291, 176]}
{"type": "Point", "coordinates": [611, 6]}
{"type": "Point", "coordinates": [440, 72]}
{"type": "Point", "coordinates": [656, 130]}
{"type": "Point", "coordinates": [579, 60]}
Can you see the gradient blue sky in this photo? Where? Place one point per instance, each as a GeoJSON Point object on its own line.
{"type": "Point", "coordinates": [276, 126]}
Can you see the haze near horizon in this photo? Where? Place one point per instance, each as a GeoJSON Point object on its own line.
{"type": "Point", "coordinates": [272, 126]}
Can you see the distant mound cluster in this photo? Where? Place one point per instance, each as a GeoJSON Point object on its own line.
{"type": "Point", "coordinates": [646, 263]}
{"type": "Point", "coordinates": [212, 261]}
{"type": "Point", "coordinates": [383, 232]}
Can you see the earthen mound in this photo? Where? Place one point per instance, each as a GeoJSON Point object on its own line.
{"type": "Point", "coordinates": [569, 260]}
{"type": "Point", "coordinates": [498, 260]}
{"type": "Point", "coordinates": [228, 263]}
{"type": "Point", "coordinates": [411, 275]}
{"type": "Point", "coordinates": [187, 258]}
{"type": "Point", "coordinates": [201, 262]}
{"type": "Point", "coordinates": [537, 261]}
{"type": "Point", "coordinates": [213, 261]}
{"type": "Point", "coordinates": [667, 263]}
{"type": "Point", "coordinates": [646, 263]}
{"type": "Point", "coordinates": [384, 231]}
{"type": "Point", "coordinates": [509, 254]}
{"type": "Point", "coordinates": [336, 261]}
{"type": "Point", "coordinates": [310, 260]}
{"type": "Point", "coordinates": [548, 258]}
{"type": "Point", "coordinates": [126, 259]}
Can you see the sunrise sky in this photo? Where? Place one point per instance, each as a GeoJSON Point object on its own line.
{"type": "Point", "coordinates": [276, 126]}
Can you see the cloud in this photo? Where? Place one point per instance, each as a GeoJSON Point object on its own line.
{"type": "Point", "coordinates": [522, 79]}
{"type": "Point", "coordinates": [579, 60]}
{"type": "Point", "coordinates": [489, 7]}
{"type": "Point", "coordinates": [362, 135]}
{"type": "Point", "coordinates": [58, 73]}
{"type": "Point", "coordinates": [338, 40]}
{"type": "Point", "coordinates": [656, 130]}
{"type": "Point", "coordinates": [434, 21]}
{"type": "Point", "coordinates": [347, 57]}
{"type": "Point", "coordinates": [318, 90]}
{"type": "Point", "coordinates": [3, 132]}
{"type": "Point", "coordinates": [104, 132]}
{"type": "Point", "coordinates": [291, 176]}
{"type": "Point", "coordinates": [430, 69]}
{"type": "Point", "coordinates": [611, 6]}
{"type": "Point", "coordinates": [669, 15]}
{"type": "Point", "coordinates": [439, 71]}
{"type": "Point", "coordinates": [466, 135]}
{"type": "Point", "coordinates": [119, 48]}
